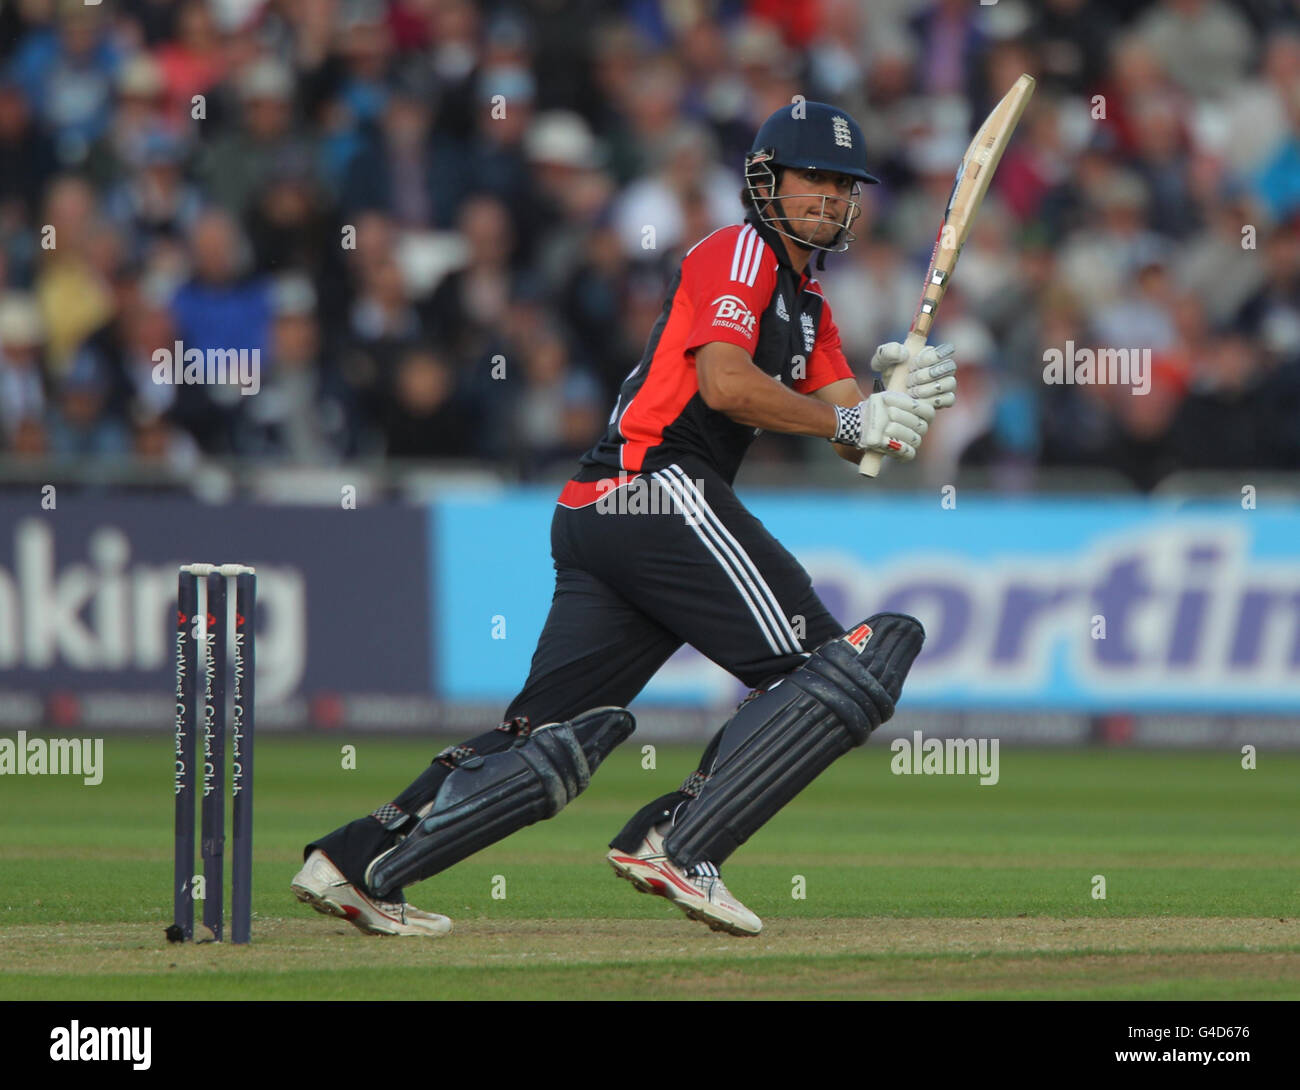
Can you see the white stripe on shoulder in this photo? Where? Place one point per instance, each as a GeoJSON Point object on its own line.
{"type": "Point", "coordinates": [750, 236]}
{"type": "Point", "coordinates": [759, 251]}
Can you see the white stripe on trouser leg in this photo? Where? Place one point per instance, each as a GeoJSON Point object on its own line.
{"type": "Point", "coordinates": [708, 540]}
{"type": "Point", "coordinates": [739, 567]}
{"type": "Point", "coordinates": [779, 618]}
{"type": "Point", "coordinates": [735, 254]}
{"type": "Point", "coordinates": [742, 565]}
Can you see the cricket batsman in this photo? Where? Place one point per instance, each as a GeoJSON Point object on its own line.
{"type": "Point", "coordinates": [745, 343]}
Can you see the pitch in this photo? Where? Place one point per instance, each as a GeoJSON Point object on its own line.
{"type": "Point", "coordinates": [870, 885]}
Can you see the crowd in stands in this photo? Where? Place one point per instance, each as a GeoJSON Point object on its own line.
{"type": "Point", "coordinates": [448, 227]}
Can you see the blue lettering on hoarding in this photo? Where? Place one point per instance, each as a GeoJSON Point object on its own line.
{"type": "Point", "coordinates": [1198, 607]}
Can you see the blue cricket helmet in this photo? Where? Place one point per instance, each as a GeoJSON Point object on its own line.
{"type": "Point", "coordinates": [813, 135]}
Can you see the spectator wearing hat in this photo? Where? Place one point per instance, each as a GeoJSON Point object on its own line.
{"type": "Point", "coordinates": [138, 114]}
{"type": "Point", "coordinates": [235, 166]}
{"type": "Point", "coordinates": [571, 190]}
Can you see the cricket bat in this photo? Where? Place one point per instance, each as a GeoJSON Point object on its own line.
{"type": "Point", "coordinates": [968, 189]}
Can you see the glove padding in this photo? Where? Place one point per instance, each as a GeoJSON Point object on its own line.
{"type": "Point", "coordinates": [931, 376]}
{"type": "Point", "coordinates": [894, 424]}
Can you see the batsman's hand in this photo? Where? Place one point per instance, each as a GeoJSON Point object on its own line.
{"type": "Point", "coordinates": [888, 423]}
{"type": "Point", "coordinates": [931, 376]}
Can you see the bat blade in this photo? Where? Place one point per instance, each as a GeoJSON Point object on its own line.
{"type": "Point", "coordinates": [968, 188]}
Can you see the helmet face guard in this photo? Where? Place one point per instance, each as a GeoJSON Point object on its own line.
{"type": "Point", "coordinates": [759, 174]}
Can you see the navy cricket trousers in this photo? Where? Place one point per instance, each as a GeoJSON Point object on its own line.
{"type": "Point", "coordinates": [664, 558]}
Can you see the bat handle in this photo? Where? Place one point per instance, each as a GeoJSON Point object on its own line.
{"type": "Point", "coordinates": [872, 460]}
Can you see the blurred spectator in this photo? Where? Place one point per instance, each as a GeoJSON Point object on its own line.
{"type": "Point", "coordinates": [23, 383]}
{"type": "Point", "coordinates": [291, 222]}
{"type": "Point", "coordinates": [67, 73]}
{"type": "Point", "coordinates": [1142, 318]}
{"type": "Point", "coordinates": [571, 189]}
{"type": "Point", "coordinates": [967, 437]}
{"type": "Point", "coordinates": [1277, 182]}
{"type": "Point", "coordinates": [192, 63]}
{"type": "Point", "coordinates": [403, 168]}
{"type": "Point", "coordinates": [1271, 317]}
{"type": "Point", "coordinates": [468, 309]}
{"type": "Point", "coordinates": [154, 203]}
{"type": "Point", "coordinates": [1096, 262]}
{"type": "Point", "coordinates": [302, 413]}
{"type": "Point", "coordinates": [121, 351]}
{"type": "Point", "coordinates": [79, 426]}
{"type": "Point", "coordinates": [1217, 268]}
{"type": "Point", "coordinates": [1143, 449]}
{"type": "Point", "coordinates": [949, 38]}
{"type": "Point", "coordinates": [498, 163]}
{"type": "Point", "coordinates": [157, 442]}
{"type": "Point", "coordinates": [1255, 120]}
{"type": "Point", "coordinates": [27, 160]}
{"type": "Point", "coordinates": [685, 177]}
{"type": "Point", "coordinates": [1204, 45]}
{"type": "Point", "coordinates": [1070, 41]}
{"type": "Point", "coordinates": [235, 165]}
{"type": "Point", "coordinates": [138, 116]}
{"type": "Point", "coordinates": [220, 308]}
{"type": "Point", "coordinates": [558, 414]}
{"type": "Point", "coordinates": [74, 273]}
{"type": "Point", "coordinates": [422, 418]}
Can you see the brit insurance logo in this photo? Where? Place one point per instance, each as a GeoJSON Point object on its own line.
{"type": "Point", "coordinates": [733, 312]}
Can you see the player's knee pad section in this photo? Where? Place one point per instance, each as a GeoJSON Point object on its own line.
{"type": "Point", "coordinates": [488, 797]}
{"type": "Point", "coordinates": [780, 741]}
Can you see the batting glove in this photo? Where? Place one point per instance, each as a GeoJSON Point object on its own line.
{"type": "Point", "coordinates": [888, 423]}
{"type": "Point", "coordinates": [931, 376]}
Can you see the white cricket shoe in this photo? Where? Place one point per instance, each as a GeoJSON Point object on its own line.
{"type": "Point", "coordinates": [702, 898]}
{"type": "Point", "coordinates": [322, 885]}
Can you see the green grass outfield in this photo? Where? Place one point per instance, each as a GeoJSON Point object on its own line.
{"type": "Point", "coordinates": [915, 886]}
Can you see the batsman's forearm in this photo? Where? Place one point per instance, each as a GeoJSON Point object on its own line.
{"type": "Point", "coordinates": [769, 405]}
